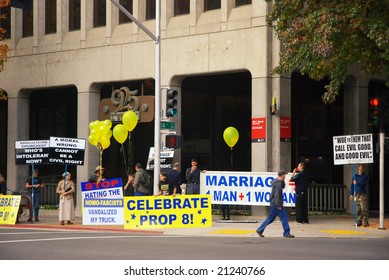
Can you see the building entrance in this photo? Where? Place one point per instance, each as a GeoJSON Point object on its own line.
{"type": "Point", "coordinates": [210, 104]}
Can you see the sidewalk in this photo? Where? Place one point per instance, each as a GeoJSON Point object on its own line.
{"type": "Point", "coordinates": [331, 226]}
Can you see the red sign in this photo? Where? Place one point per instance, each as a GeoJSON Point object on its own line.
{"type": "Point", "coordinates": [285, 129]}
{"type": "Point", "coordinates": [258, 130]}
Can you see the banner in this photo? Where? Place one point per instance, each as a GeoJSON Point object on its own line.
{"type": "Point", "coordinates": [244, 188]}
{"type": "Point", "coordinates": [353, 149]}
{"type": "Point", "coordinates": [32, 152]}
{"type": "Point", "coordinates": [150, 212]}
{"type": "Point", "coordinates": [9, 207]}
{"type": "Point", "coordinates": [102, 202]}
{"type": "Point", "coordinates": [67, 150]}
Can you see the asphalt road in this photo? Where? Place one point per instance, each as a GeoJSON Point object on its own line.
{"type": "Point", "coordinates": [39, 244]}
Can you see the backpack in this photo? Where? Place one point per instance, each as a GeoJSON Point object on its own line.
{"type": "Point", "coordinates": [146, 181]}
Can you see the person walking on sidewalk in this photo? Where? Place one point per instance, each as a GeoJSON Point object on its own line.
{"type": "Point", "coordinates": [300, 177]}
{"type": "Point", "coordinates": [359, 183]}
{"type": "Point", "coordinates": [276, 206]}
{"type": "Point", "coordinates": [66, 201]}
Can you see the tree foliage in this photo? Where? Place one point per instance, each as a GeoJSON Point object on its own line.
{"type": "Point", "coordinates": [3, 47]}
{"type": "Point", "coordinates": [323, 38]}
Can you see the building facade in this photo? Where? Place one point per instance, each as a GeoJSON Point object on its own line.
{"type": "Point", "coordinates": [67, 57]}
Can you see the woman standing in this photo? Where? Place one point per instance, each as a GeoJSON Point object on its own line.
{"type": "Point", "coordinates": [66, 202]}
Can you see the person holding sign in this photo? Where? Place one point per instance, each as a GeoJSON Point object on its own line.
{"type": "Point", "coordinates": [300, 177]}
{"type": "Point", "coordinates": [141, 187]}
{"type": "Point", "coordinates": [193, 177]}
{"type": "Point", "coordinates": [98, 176]}
{"type": "Point", "coordinates": [276, 206]}
{"type": "Point", "coordinates": [66, 202]}
{"type": "Point", "coordinates": [34, 185]}
{"type": "Point", "coordinates": [358, 188]}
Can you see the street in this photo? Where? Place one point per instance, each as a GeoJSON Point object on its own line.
{"type": "Point", "coordinates": [44, 244]}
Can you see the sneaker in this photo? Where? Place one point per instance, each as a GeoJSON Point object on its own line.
{"type": "Point", "coordinates": [36, 220]}
{"type": "Point", "coordinates": [289, 236]}
{"type": "Point", "coordinates": [259, 233]}
{"type": "Point", "coordinates": [70, 223]}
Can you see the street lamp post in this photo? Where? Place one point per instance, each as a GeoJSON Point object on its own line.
{"type": "Point", "coordinates": [157, 108]}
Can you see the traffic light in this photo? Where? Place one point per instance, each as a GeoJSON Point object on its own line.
{"type": "Point", "coordinates": [173, 141]}
{"type": "Point", "coordinates": [374, 113]}
{"type": "Point", "coordinates": [171, 103]}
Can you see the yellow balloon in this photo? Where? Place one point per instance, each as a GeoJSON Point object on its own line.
{"type": "Point", "coordinates": [231, 136]}
{"type": "Point", "coordinates": [91, 125]}
{"type": "Point", "coordinates": [130, 120]}
{"type": "Point", "coordinates": [120, 133]}
{"type": "Point", "coordinates": [105, 143]}
{"type": "Point", "coordinates": [108, 123]}
{"type": "Point", "coordinates": [92, 140]}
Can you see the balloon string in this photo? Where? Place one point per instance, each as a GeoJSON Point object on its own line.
{"type": "Point", "coordinates": [232, 161]}
{"type": "Point", "coordinates": [100, 160]}
{"type": "Point", "coordinates": [124, 158]}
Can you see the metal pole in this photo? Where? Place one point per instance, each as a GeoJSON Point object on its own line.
{"type": "Point", "coordinates": [157, 100]}
{"type": "Point", "coordinates": [381, 182]}
{"type": "Point", "coordinates": [157, 115]}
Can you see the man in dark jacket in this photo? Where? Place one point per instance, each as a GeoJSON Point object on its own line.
{"type": "Point", "coordinates": [276, 206]}
{"type": "Point", "coordinates": [174, 180]}
{"type": "Point", "coordinates": [301, 180]}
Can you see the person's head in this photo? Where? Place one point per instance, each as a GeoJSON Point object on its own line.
{"type": "Point", "coordinates": [138, 166]}
{"type": "Point", "coordinates": [66, 175]}
{"type": "Point", "coordinates": [176, 166]}
{"type": "Point", "coordinates": [361, 169]}
{"type": "Point", "coordinates": [301, 166]}
{"type": "Point", "coordinates": [36, 172]}
{"type": "Point", "coordinates": [281, 175]}
{"type": "Point", "coordinates": [130, 177]}
{"type": "Point", "coordinates": [162, 176]}
{"type": "Point", "coordinates": [99, 170]}
{"type": "Point", "coordinates": [194, 162]}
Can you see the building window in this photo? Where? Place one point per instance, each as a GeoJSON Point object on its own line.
{"type": "Point", "coordinates": [242, 2]}
{"type": "Point", "coordinates": [181, 7]}
{"type": "Point", "coordinates": [99, 13]}
{"type": "Point", "coordinates": [128, 5]}
{"type": "Point", "coordinates": [28, 20]}
{"type": "Point", "coordinates": [211, 5]}
{"type": "Point", "coordinates": [50, 17]}
{"type": "Point", "coordinates": [74, 15]}
{"type": "Point", "coordinates": [150, 9]}
{"type": "Point", "coordinates": [5, 22]}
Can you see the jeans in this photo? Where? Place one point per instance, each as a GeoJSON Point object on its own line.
{"type": "Point", "coordinates": [140, 194]}
{"type": "Point", "coordinates": [35, 204]}
{"type": "Point", "coordinates": [274, 212]}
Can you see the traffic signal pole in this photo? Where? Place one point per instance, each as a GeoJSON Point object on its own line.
{"type": "Point", "coordinates": [381, 180]}
{"type": "Point", "coordinates": [157, 107]}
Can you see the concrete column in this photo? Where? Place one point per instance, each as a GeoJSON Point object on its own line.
{"type": "Point", "coordinates": [16, 28]}
{"type": "Point", "coordinates": [167, 12]}
{"type": "Point", "coordinates": [355, 105]}
{"type": "Point", "coordinates": [18, 130]}
{"type": "Point", "coordinates": [226, 8]}
{"type": "Point", "coordinates": [62, 21]}
{"type": "Point", "coordinates": [39, 22]}
{"type": "Point", "coordinates": [88, 104]}
{"type": "Point", "coordinates": [196, 8]}
{"type": "Point", "coordinates": [86, 20]}
{"type": "Point", "coordinates": [112, 21]}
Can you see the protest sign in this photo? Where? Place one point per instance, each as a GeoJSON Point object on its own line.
{"type": "Point", "coordinates": [353, 149]}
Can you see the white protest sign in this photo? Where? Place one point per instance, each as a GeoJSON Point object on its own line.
{"type": "Point", "coordinates": [353, 149]}
{"type": "Point", "coordinates": [244, 188]}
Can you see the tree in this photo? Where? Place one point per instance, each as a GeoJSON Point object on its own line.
{"type": "Point", "coordinates": [324, 38]}
{"type": "Point", "coordinates": [3, 47]}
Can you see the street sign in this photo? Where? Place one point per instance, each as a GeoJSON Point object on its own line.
{"type": "Point", "coordinates": [168, 125]}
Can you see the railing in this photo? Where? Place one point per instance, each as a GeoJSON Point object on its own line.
{"type": "Point", "coordinates": [326, 197]}
{"type": "Point", "coordinates": [321, 197]}
{"type": "Point", "coordinates": [49, 195]}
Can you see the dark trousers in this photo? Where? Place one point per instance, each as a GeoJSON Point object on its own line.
{"type": "Point", "coordinates": [226, 211]}
{"type": "Point", "coordinates": [193, 189]}
{"type": "Point", "coordinates": [302, 208]}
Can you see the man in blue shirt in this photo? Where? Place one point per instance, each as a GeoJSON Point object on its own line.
{"type": "Point", "coordinates": [34, 184]}
{"type": "Point", "coordinates": [358, 186]}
